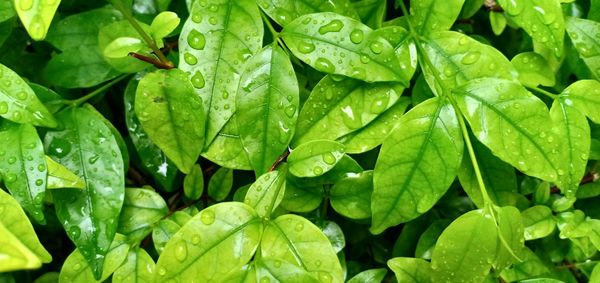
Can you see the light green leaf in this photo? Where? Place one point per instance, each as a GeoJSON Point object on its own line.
{"type": "Point", "coordinates": [243, 274]}
{"type": "Point", "coordinates": [351, 196]}
{"type": "Point", "coordinates": [24, 168]}
{"type": "Point", "coordinates": [571, 158]}
{"type": "Point", "coordinates": [499, 178]}
{"type": "Point", "coordinates": [36, 16]}
{"type": "Point", "coordinates": [193, 183]}
{"type": "Point", "coordinates": [359, 53]}
{"type": "Point", "coordinates": [533, 69]}
{"type": "Point", "coordinates": [300, 198]}
{"type": "Point", "coordinates": [165, 103]}
{"type": "Point", "coordinates": [334, 233]}
{"type": "Point", "coordinates": [588, 190]}
{"type": "Point", "coordinates": [506, 118]}
{"type": "Point", "coordinates": [416, 164]}
{"type": "Point", "coordinates": [162, 25]}
{"type": "Point", "coordinates": [87, 147]}
{"type": "Point", "coordinates": [315, 158]}
{"type": "Point", "coordinates": [19, 103]}
{"type": "Point", "coordinates": [122, 46]}
{"type": "Point", "coordinates": [369, 276]}
{"type": "Point", "coordinates": [404, 47]}
{"type": "Point", "coordinates": [459, 59]}
{"type": "Point", "coordinates": [214, 43]}
{"type": "Point", "coordinates": [76, 270]}
{"type": "Point", "coordinates": [542, 20]}
{"type": "Point", "coordinates": [285, 11]}
{"type": "Point", "coordinates": [585, 95]}
{"type": "Point", "coordinates": [338, 107]}
{"type": "Point", "coordinates": [20, 248]}
{"type": "Point", "coordinates": [510, 228]}
{"type": "Point", "coordinates": [276, 270]}
{"type": "Point", "coordinates": [426, 244]}
{"type": "Point", "coordinates": [266, 193]}
{"type": "Point", "coordinates": [374, 133]}
{"type": "Point", "coordinates": [138, 267]}
{"type": "Point", "coordinates": [410, 270]}
{"type": "Point", "coordinates": [296, 240]}
{"type": "Point", "coordinates": [60, 177]}
{"type": "Point", "coordinates": [110, 32]}
{"type": "Point", "coordinates": [267, 96]}
{"type": "Point", "coordinates": [215, 241]}
{"type": "Point", "coordinates": [532, 266]}
{"type": "Point", "coordinates": [466, 249]}
{"type": "Point", "coordinates": [595, 276]}
{"type": "Point", "coordinates": [220, 184]}
{"type": "Point", "coordinates": [227, 150]}
{"type": "Point", "coordinates": [498, 22]}
{"type": "Point", "coordinates": [429, 16]}
{"type": "Point", "coordinates": [142, 208]}
{"type": "Point", "coordinates": [163, 231]}
{"type": "Point", "coordinates": [538, 222]}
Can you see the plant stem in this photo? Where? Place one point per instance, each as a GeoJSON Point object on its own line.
{"type": "Point", "coordinates": [78, 101]}
{"type": "Point", "coordinates": [151, 60]}
{"type": "Point", "coordinates": [149, 41]}
{"type": "Point", "coordinates": [269, 25]}
{"type": "Point", "coordinates": [544, 92]}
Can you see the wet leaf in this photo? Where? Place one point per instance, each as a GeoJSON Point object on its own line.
{"type": "Point", "coordinates": [533, 69]}
{"type": "Point", "coordinates": [410, 270]}
{"type": "Point", "coordinates": [138, 267]}
{"type": "Point", "coordinates": [142, 208]}
{"type": "Point", "coordinates": [60, 177]}
{"type": "Point", "coordinates": [284, 12]}
{"type": "Point", "coordinates": [430, 16]}
{"type": "Point", "coordinates": [164, 103]}
{"type": "Point", "coordinates": [510, 228]}
{"type": "Point", "coordinates": [163, 231]}
{"type": "Point", "coordinates": [585, 95]}
{"type": "Point", "coordinates": [351, 196]}
{"type": "Point", "coordinates": [36, 16]}
{"type": "Point", "coordinates": [584, 35]}
{"type": "Point", "coordinates": [409, 183]}
{"type": "Point", "coordinates": [193, 183]}
{"type": "Point", "coordinates": [87, 147]}
{"type": "Point", "coordinates": [538, 222]}
{"type": "Point", "coordinates": [315, 158]}
{"type": "Point", "coordinates": [220, 184]}
{"type": "Point", "coordinates": [282, 271]}
{"type": "Point", "coordinates": [266, 193]}
{"type": "Point", "coordinates": [227, 150]}
{"type": "Point", "coordinates": [162, 25]}
{"type": "Point", "coordinates": [369, 276]}
{"type": "Point", "coordinates": [110, 33]}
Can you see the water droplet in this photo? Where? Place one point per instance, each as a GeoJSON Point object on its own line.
{"type": "Point", "coordinates": [364, 59]}
{"type": "Point", "coordinates": [37, 28]}
{"type": "Point", "coordinates": [3, 107]}
{"type": "Point", "coordinates": [305, 47]}
{"type": "Point", "coordinates": [329, 158]}
{"type": "Point", "coordinates": [197, 18]}
{"type": "Point", "coordinates": [198, 80]}
{"type": "Point", "coordinates": [22, 95]}
{"type": "Point", "coordinates": [212, 21]}
{"type": "Point", "coordinates": [181, 250]}
{"type": "Point", "coordinates": [213, 8]}
{"type": "Point", "coordinates": [471, 57]}
{"type": "Point", "coordinates": [299, 227]}
{"type": "Point", "coordinates": [74, 232]}
{"type": "Point", "coordinates": [162, 271]}
{"type": "Point", "coordinates": [195, 239]}
{"type": "Point", "coordinates": [318, 171]}
{"type": "Point", "coordinates": [225, 94]}
{"type": "Point", "coordinates": [463, 40]}
{"type": "Point", "coordinates": [380, 104]}
{"type": "Point", "coordinates": [584, 156]}
{"type": "Point", "coordinates": [265, 279]}
{"type": "Point", "coordinates": [12, 160]}
{"type": "Point", "coordinates": [190, 59]}
{"type": "Point", "coordinates": [17, 116]}
{"type": "Point", "coordinates": [324, 65]}
{"type": "Point", "coordinates": [10, 178]}
{"type": "Point", "coordinates": [514, 8]}
{"type": "Point", "coordinates": [359, 73]}
{"type": "Point", "coordinates": [324, 277]}
{"type": "Point", "coordinates": [306, 21]}
{"type": "Point", "coordinates": [76, 266]}
{"type": "Point", "coordinates": [376, 47]}
{"type": "Point", "coordinates": [196, 40]}
{"type": "Point", "coordinates": [290, 111]}
{"type": "Point", "coordinates": [25, 5]}
{"type": "Point", "coordinates": [277, 263]}
{"type": "Point", "coordinates": [94, 158]}
{"type": "Point", "coordinates": [449, 71]}
{"type": "Point", "coordinates": [357, 36]}
{"type": "Point", "coordinates": [207, 217]}
{"type": "Point", "coordinates": [560, 172]}
{"type": "Point", "coordinates": [333, 26]}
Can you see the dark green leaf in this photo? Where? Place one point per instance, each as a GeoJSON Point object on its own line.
{"type": "Point", "coordinates": [220, 184]}
{"type": "Point", "coordinates": [193, 184]}
{"type": "Point", "coordinates": [163, 231]}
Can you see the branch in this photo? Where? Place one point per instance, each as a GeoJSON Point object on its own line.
{"type": "Point", "coordinates": [157, 63]}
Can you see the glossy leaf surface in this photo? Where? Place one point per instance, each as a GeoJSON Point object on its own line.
{"type": "Point", "coordinates": [408, 184]}
{"type": "Point", "coordinates": [36, 16]}
{"type": "Point", "coordinates": [193, 184]}
{"type": "Point", "coordinates": [315, 158]}
{"type": "Point", "coordinates": [351, 196]}
{"type": "Point", "coordinates": [533, 69]}
{"type": "Point", "coordinates": [284, 12]}
{"type": "Point", "coordinates": [585, 95]}
{"type": "Point", "coordinates": [369, 276]}
{"type": "Point", "coordinates": [60, 177]}
{"type": "Point", "coordinates": [410, 270]}
{"type": "Point", "coordinates": [266, 193]}
{"type": "Point", "coordinates": [220, 184]}
{"type": "Point", "coordinates": [584, 35]}
{"type": "Point", "coordinates": [430, 15]}
{"type": "Point", "coordinates": [142, 208]}
{"type": "Point", "coordinates": [282, 271]}
{"type": "Point", "coordinates": [538, 222]}
{"type": "Point", "coordinates": [137, 267]}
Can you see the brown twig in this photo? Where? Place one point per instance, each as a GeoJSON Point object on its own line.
{"type": "Point", "coordinates": [590, 177]}
{"type": "Point", "coordinates": [280, 159]}
{"type": "Point", "coordinates": [153, 61]}
{"type": "Point", "coordinates": [492, 6]}
{"type": "Point", "coordinates": [136, 177]}
{"type": "Point", "coordinates": [169, 46]}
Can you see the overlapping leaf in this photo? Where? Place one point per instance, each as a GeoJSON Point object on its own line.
{"type": "Point", "coordinates": [285, 11]}
{"type": "Point", "coordinates": [430, 16]}
{"type": "Point", "coordinates": [36, 16]}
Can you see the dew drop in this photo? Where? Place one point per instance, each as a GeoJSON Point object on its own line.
{"type": "Point", "coordinates": [25, 5]}
{"type": "Point", "coordinates": [364, 59]}
{"type": "Point", "coordinates": [333, 26]}
{"type": "Point", "coordinates": [265, 279]}
{"type": "Point", "coordinates": [22, 95]}
{"type": "Point", "coordinates": [357, 36]}
{"type": "Point", "coordinates": [198, 80]}
{"type": "Point", "coordinates": [207, 217]}
{"type": "Point", "coordinates": [471, 57]}
{"type": "Point", "coordinates": [305, 47]}
{"type": "Point", "coordinates": [376, 47]}
{"type": "Point", "coordinates": [3, 107]}
{"type": "Point", "coordinates": [190, 59]}
{"type": "Point", "coordinates": [212, 21]}
{"type": "Point", "coordinates": [196, 40]}
{"type": "Point", "coordinates": [380, 104]}
{"type": "Point", "coordinates": [306, 21]}
{"type": "Point", "coordinates": [74, 232]}
{"type": "Point", "coordinates": [514, 8]}
{"type": "Point", "coordinates": [181, 251]}
{"type": "Point", "coordinates": [37, 27]}
{"type": "Point", "coordinates": [10, 178]}
{"type": "Point", "coordinates": [196, 239]}
{"type": "Point", "coordinates": [299, 227]}
{"type": "Point", "coordinates": [93, 159]}
{"type": "Point", "coordinates": [12, 160]}
{"type": "Point", "coordinates": [448, 71]}
{"type": "Point", "coordinates": [324, 277]}
{"type": "Point", "coordinates": [277, 263]}
{"type": "Point", "coordinates": [359, 73]}
{"type": "Point", "coordinates": [197, 18]}
{"type": "Point", "coordinates": [290, 111]}
{"type": "Point", "coordinates": [39, 182]}
{"type": "Point", "coordinates": [213, 8]}
{"type": "Point", "coordinates": [324, 65]}
{"type": "Point", "coordinates": [162, 271]}
{"type": "Point", "coordinates": [318, 171]}
{"type": "Point", "coordinates": [329, 158]}
{"type": "Point", "coordinates": [76, 266]}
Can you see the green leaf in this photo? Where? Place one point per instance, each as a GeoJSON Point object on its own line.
{"type": "Point", "coordinates": [371, 12]}
{"type": "Point", "coordinates": [227, 149]}
{"type": "Point", "coordinates": [334, 233]}
{"type": "Point", "coordinates": [220, 184]}
{"type": "Point", "coordinates": [75, 269]}
{"type": "Point", "coordinates": [214, 43]}
{"type": "Point", "coordinates": [498, 22]}
{"type": "Point", "coordinates": [266, 193]}
{"type": "Point", "coordinates": [410, 270]}
{"type": "Point", "coordinates": [193, 183]}
{"type": "Point", "coordinates": [138, 267]}
{"type": "Point", "coordinates": [276, 270]}
{"type": "Point", "coordinates": [426, 244]}
{"type": "Point", "coordinates": [375, 275]}
{"type": "Point", "coordinates": [24, 169]}
{"type": "Point", "coordinates": [506, 118]}
{"type": "Point", "coordinates": [152, 159]}
{"type": "Point", "coordinates": [585, 95]}
{"type": "Point", "coordinates": [36, 16]}
{"type": "Point", "coordinates": [113, 31]}
{"type": "Point", "coordinates": [533, 69]}
{"type": "Point", "coordinates": [351, 196]}
{"type": "Point", "coordinates": [142, 208]}
{"type": "Point", "coordinates": [300, 198]}
{"type": "Point", "coordinates": [296, 240]}
{"type": "Point", "coordinates": [81, 63]}
{"type": "Point", "coordinates": [429, 16]}
{"type": "Point", "coordinates": [315, 158]}
{"type": "Point", "coordinates": [284, 12]}
{"type": "Point", "coordinates": [538, 222]}
{"type": "Point", "coordinates": [122, 46]}
{"type": "Point", "coordinates": [267, 96]}
{"type": "Point", "coordinates": [416, 164]}
{"type": "Point", "coordinates": [243, 274]}
{"type": "Point", "coordinates": [458, 59]}
{"type": "Point", "coordinates": [404, 47]}
{"type": "Point", "coordinates": [7, 10]}
{"type": "Point", "coordinates": [20, 247]}
{"type": "Point", "coordinates": [510, 228]}
{"type": "Point", "coordinates": [374, 133]}
{"type": "Point", "coordinates": [215, 241]}
{"type": "Point", "coordinates": [164, 103]}
{"type": "Point", "coordinates": [571, 160]}
{"type": "Point", "coordinates": [337, 107]}
{"type": "Point", "coordinates": [19, 103]}
{"type": "Point", "coordinates": [60, 177]}
{"type": "Point", "coordinates": [499, 178]}
{"type": "Point", "coordinates": [163, 231]}
{"type": "Point", "coordinates": [87, 147]}
{"type": "Point", "coordinates": [532, 266]}
{"type": "Point", "coordinates": [350, 48]}
{"type": "Point", "coordinates": [162, 25]}
{"type": "Point", "coordinates": [542, 20]}
{"type": "Point", "coordinates": [466, 249]}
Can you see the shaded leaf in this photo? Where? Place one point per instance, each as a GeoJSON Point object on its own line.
{"type": "Point", "coordinates": [538, 222]}
{"type": "Point", "coordinates": [193, 183]}
{"type": "Point", "coordinates": [142, 208]}
{"type": "Point", "coordinates": [410, 270]}
{"type": "Point", "coordinates": [351, 196]}
{"type": "Point", "coordinates": [220, 184]}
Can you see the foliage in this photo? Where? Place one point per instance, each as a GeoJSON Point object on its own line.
{"type": "Point", "coordinates": [299, 141]}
